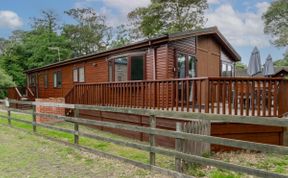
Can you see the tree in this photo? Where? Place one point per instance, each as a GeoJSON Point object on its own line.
{"type": "Point", "coordinates": [168, 16]}
{"type": "Point", "coordinates": [282, 62]}
{"type": "Point", "coordinates": [6, 81]}
{"type": "Point", "coordinates": [240, 66]}
{"type": "Point", "coordinates": [122, 37]}
{"type": "Point", "coordinates": [29, 49]}
{"type": "Point", "coordinates": [47, 21]}
{"type": "Point", "coordinates": [90, 34]}
{"type": "Point", "coordinates": [276, 24]}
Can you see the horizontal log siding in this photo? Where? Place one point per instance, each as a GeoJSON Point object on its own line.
{"type": "Point", "coordinates": [95, 71]}
{"type": "Point", "coordinates": [187, 45]}
{"type": "Point", "coordinates": [161, 64]}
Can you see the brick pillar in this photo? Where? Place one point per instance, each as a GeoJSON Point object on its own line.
{"type": "Point", "coordinates": [49, 110]}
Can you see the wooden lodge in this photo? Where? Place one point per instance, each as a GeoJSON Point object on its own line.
{"type": "Point", "coordinates": [188, 71]}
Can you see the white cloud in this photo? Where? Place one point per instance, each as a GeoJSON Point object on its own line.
{"type": "Point", "coordinates": [123, 7]}
{"type": "Point", "coordinates": [213, 1]}
{"type": "Point", "coordinates": [240, 28]}
{"type": "Point", "coordinates": [126, 5]}
{"type": "Point", "coordinates": [115, 10]}
{"type": "Point", "coordinates": [9, 19]}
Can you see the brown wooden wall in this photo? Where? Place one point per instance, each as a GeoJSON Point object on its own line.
{"type": "Point", "coordinates": [208, 56]}
{"type": "Point", "coordinates": [96, 70]}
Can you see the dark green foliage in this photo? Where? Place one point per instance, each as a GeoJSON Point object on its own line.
{"type": "Point", "coordinates": [90, 34]}
{"type": "Point", "coordinates": [240, 66]}
{"type": "Point", "coordinates": [5, 81]}
{"type": "Point", "coordinates": [282, 62]}
{"type": "Point", "coordinates": [168, 16]}
{"type": "Point", "coordinates": [276, 22]}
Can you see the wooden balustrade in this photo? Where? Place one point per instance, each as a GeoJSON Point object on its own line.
{"type": "Point", "coordinates": [233, 96]}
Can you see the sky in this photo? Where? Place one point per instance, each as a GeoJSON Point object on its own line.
{"type": "Point", "coordinates": [238, 20]}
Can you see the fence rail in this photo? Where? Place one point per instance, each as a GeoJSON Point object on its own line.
{"type": "Point", "coordinates": [152, 132]}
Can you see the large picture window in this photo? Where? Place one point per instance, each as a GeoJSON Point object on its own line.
{"type": "Point", "coordinates": [57, 79]}
{"type": "Point", "coordinates": [126, 68]}
{"type": "Point", "coordinates": [79, 74]}
{"type": "Point", "coordinates": [186, 65]}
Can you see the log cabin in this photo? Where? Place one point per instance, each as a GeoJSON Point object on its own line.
{"type": "Point", "coordinates": [188, 71]}
{"type": "Point", "coordinates": [199, 53]}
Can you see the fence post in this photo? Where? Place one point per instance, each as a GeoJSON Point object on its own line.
{"type": "Point", "coordinates": [9, 117]}
{"type": "Point", "coordinates": [152, 121]}
{"type": "Point", "coordinates": [76, 127]}
{"type": "Point", "coordinates": [7, 105]}
{"type": "Point", "coordinates": [34, 117]}
{"type": "Point", "coordinates": [179, 147]}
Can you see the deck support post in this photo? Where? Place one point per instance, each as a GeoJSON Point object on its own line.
{"type": "Point", "coordinates": [179, 147]}
{"type": "Point", "coordinates": [76, 127]}
{"type": "Point", "coordinates": [285, 136]}
{"type": "Point", "coordinates": [152, 121]}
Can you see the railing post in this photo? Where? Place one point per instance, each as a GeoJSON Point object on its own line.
{"type": "Point", "coordinates": [179, 147]}
{"type": "Point", "coordinates": [152, 121]}
{"type": "Point", "coordinates": [207, 87]}
{"type": "Point", "coordinates": [76, 127]}
{"type": "Point", "coordinates": [34, 117]}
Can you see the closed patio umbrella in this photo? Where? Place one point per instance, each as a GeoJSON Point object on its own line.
{"type": "Point", "coordinates": [268, 67]}
{"type": "Point", "coordinates": [254, 66]}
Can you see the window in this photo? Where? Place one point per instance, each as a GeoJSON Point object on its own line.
{"type": "Point", "coordinates": [45, 80]}
{"type": "Point", "coordinates": [126, 68]}
{"type": "Point", "coordinates": [137, 72]}
{"type": "Point", "coordinates": [57, 78]}
{"type": "Point", "coordinates": [181, 64]}
{"type": "Point", "coordinates": [75, 75]}
{"type": "Point", "coordinates": [121, 69]}
{"type": "Point", "coordinates": [227, 69]}
{"type": "Point", "coordinates": [192, 66]}
{"type": "Point", "coordinates": [33, 80]}
{"type": "Point", "coordinates": [79, 74]}
{"type": "Point", "coordinates": [186, 65]}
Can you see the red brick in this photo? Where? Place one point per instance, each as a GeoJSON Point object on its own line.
{"type": "Point", "coordinates": [49, 110]}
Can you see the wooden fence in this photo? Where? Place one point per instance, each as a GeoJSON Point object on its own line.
{"type": "Point", "coordinates": [152, 131]}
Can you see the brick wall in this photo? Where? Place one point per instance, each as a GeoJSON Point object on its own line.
{"type": "Point", "coordinates": [49, 110]}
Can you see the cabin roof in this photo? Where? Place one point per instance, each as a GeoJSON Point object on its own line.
{"type": "Point", "coordinates": [146, 43]}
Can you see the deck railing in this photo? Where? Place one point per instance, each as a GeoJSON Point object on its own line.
{"type": "Point", "coordinates": [233, 96]}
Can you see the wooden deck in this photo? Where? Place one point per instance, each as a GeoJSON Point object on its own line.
{"type": "Point", "coordinates": [265, 97]}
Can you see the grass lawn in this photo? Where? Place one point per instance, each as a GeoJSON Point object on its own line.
{"type": "Point", "coordinates": [23, 154]}
{"type": "Point", "coordinates": [271, 162]}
